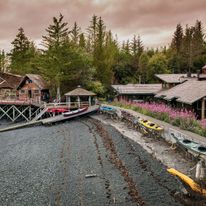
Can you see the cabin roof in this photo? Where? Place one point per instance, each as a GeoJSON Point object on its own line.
{"type": "Point", "coordinates": [174, 78]}
{"type": "Point", "coordinates": [80, 92]}
{"type": "Point", "coordinates": [36, 79]}
{"type": "Point", "coordinates": [8, 80]}
{"type": "Point", "coordinates": [137, 88]}
{"type": "Point", "coordinates": [187, 92]}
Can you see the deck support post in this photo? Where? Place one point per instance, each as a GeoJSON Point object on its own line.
{"type": "Point", "coordinates": [78, 101]}
{"type": "Point", "coordinates": [15, 112]}
{"type": "Point", "coordinates": [69, 101]}
{"type": "Point", "coordinates": [90, 101]}
{"type": "Point", "coordinates": [203, 109]}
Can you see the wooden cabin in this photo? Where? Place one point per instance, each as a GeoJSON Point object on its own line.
{"type": "Point", "coordinates": [139, 92]}
{"type": "Point", "coordinates": [8, 86]}
{"type": "Point", "coordinates": [33, 88]}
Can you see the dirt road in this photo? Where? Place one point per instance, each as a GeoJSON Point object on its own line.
{"type": "Point", "coordinates": [81, 162]}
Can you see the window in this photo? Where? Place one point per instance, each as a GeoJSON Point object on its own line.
{"type": "Point", "coordinates": [22, 91]}
{"type": "Point", "coordinates": [36, 91]}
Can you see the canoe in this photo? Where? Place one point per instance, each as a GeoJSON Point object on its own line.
{"type": "Point", "coordinates": [150, 125]}
{"type": "Point", "coordinates": [75, 112]}
{"type": "Point", "coordinates": [189, 144]}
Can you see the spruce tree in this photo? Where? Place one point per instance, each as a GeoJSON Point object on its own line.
{"type": "Point", "coordinates": [177, 40]}
{"type": "Point", "coordinates": [22, 53]}
{"type": "Point", "coordinates": [92, 32]}
{"type": "Point", "coordinates": [140, 47]}
{"type": "Point", "coordinates": [53, 59]}
{"type": "Point", "coordinates": [57, 33]}
{"type": "Point", "coordinates": [188, 48]}
{"type": "Point", "coordinates": [75, 33]}
{"type": "Point", "coordinates": [82, 41]}
{"type": "Point", "coordinates": [3, 66]}
{"type": "Point", "coordinates": [198, 38]}
{"type": "Point", "coordinates": [98, 54]}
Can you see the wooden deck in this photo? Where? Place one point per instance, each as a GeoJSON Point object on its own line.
{"type": "Point", "coordinates": [50, 120]}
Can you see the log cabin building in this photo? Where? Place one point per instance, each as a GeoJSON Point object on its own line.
{"type": "Point", "coordinates": [33, 87]}
{"type": "Point", "coordinates": [28, 88]}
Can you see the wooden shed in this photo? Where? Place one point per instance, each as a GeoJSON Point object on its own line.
{"type": "Point", "coordinates": [81, 97]}
{"type": "Point", "coordinates": [34, 88]}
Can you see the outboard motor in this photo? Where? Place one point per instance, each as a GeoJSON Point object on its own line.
{"type": "Point", "coordinates": [200, 174]}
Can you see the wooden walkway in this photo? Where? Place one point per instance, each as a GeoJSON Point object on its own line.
{"type": "Point", "coordinates": [50, 120]}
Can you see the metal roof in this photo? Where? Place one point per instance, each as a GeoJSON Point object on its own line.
{"type": "Point", "coordinates": [9, 80]}
{"type": "Point", "coordinates": [175, 78]}
{"type": "Point", "coordinates": [137, 88]}
{"type": "Point", "coordinates": [187, 92]}
{"type": "Point", "coordinates": [36, 79]}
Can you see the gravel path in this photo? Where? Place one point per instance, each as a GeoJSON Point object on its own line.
{"type": "Point", "coordinates": [49, 165]}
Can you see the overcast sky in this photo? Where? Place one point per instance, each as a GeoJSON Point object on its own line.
{"type": "Point", "coordinates": [153, 20]}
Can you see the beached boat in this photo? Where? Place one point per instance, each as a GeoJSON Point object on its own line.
{"type": "Point", "coordinates": [74, 112]}
{"type": "Point", "coordinates": [106, 108]}
{"type": "Point", "coordinates": [150, 125]}
{"type": "Point", "coordinates": [57, 110]}
{"type": "Point", "coordinates": [190, 184]}
{"type": "Point", "coordinates": [189, 144]}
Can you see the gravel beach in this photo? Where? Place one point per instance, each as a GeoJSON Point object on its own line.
{"type": "Point", "coordinates": [80, 162]}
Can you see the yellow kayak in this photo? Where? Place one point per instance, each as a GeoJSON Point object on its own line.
{"type": "Point", "coordinates": [188, 181]}
{"type": "Point", "coordinates": [151, 125]}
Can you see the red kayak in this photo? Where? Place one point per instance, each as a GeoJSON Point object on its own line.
{"type": "Point", "coordinates": [78, 111]}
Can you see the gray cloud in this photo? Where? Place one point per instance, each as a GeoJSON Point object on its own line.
{"type": "Point", "coordinates": [154, 20]}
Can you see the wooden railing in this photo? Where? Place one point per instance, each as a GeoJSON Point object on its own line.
{"type": "Point", "coordinates": [68, 105]}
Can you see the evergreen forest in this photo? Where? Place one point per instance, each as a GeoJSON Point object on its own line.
{"type": "Point", "coordinates": [95, 58]}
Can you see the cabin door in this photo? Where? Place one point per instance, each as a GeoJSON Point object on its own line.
{"type": "Point", "coordinates": [29, 94]}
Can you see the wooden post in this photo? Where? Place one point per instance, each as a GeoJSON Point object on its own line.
{"type": "Point", "coordinates": [203, 109]}
{"type": "Point", "coordinates": [78, 101]}
{"type": "Point", "coordinates": [90, 101]}
{"type": "Point", "coordinates": [69, 101]}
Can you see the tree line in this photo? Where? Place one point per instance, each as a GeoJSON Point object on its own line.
{"type": "Point", "coordinates": [95, 59]}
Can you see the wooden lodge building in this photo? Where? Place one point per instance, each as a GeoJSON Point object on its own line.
{"type": "Point", "coordinates": [170, 80]}
{"type": "Point", "coordinates": [28, 88]}
{"type": "Point", "coordinates": [178, 90]}
{"type": "Point", "coordinates": [32, 87]}
{"type": "Point", "coordinates": [138, 92]}
{"type": "Point", "coordinates": [189, 92]}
